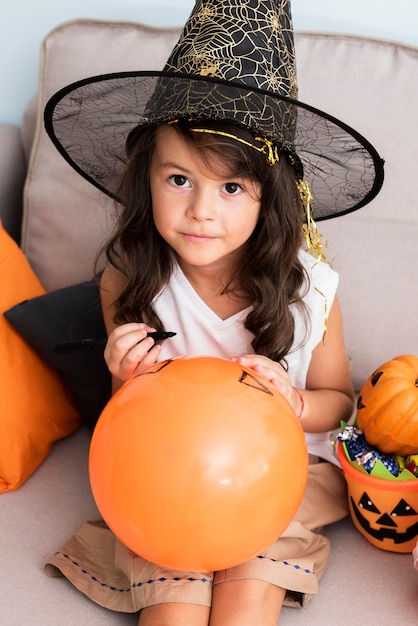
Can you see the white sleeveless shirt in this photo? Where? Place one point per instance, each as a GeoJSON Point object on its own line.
{"type": "Point", "coordinates": [202, 332]}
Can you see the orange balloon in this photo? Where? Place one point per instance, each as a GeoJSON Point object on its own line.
{"type": "Point", "coordinates": [198, 464]}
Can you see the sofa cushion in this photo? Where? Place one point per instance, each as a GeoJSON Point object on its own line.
{"type": "Point", "coordinates": [66, 329]}
{"type": "Point", "coordinates": [373, 249]}
{"type": "Point", "coordinates": [36, 409]}
{"type": "Point", "coordinates": [66, 219]}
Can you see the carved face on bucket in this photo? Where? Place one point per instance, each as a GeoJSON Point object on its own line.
{"type": "Point", "coordinates": [387, 518]}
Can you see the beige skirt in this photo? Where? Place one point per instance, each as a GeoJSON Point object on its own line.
{"type": "Point", "coordinates": [101, 567]}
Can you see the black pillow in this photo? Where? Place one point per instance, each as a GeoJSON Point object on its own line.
{"type": "Point", "coordinates": [66, 329]}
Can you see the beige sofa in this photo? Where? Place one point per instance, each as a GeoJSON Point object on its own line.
{"type": "Point", "coordinates": [370, 84]}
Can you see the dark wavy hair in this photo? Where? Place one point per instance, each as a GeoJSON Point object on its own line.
{"type": "Point", "coordinates": [270, 274]}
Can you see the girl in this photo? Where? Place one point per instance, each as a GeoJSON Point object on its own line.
{"type": "Point", "coordinates": [215, 241]}
{"type": "Point", "coordinates": [208, 161]}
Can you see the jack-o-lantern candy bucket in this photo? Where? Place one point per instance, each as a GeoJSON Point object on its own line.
{"type": "Point", "coordinates": [385, 512]}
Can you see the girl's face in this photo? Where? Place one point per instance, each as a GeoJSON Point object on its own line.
{"type": "Point", "coordinates": [204, 216]}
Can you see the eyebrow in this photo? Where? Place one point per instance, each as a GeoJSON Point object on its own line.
{"type": "Point", "coordinates": [173, 164]}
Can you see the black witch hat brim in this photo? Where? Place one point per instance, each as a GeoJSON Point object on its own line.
{"type": "Point", "coordinates": [89, 122]}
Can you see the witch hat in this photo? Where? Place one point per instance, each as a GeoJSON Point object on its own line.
{"type": "Point", "coordinates": [234, 62]}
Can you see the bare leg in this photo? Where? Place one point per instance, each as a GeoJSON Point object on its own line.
{"type": "Point", "coordinates": [245, 603]}
{"type": "Point", "coordinates": [174, 614]}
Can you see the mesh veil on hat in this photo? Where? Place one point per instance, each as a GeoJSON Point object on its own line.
{"type": "Point", "coordinates": [234, 62]}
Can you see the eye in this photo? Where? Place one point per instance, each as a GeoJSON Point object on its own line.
{"type": "Point", "coordinates": [367, 503]}
{"type": "Point", "coordinates": [179, 181]}
{"type": "Point", "coordinates": [232, 188]}
{"type": "Point", "coordinates": [403, 508]}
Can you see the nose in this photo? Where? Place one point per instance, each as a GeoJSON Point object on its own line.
{"type": "Point", "coordinates": [386, 520]}
{"type": "Point", "coordinates": [202, 206]}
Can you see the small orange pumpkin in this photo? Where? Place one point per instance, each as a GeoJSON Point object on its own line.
{"type": "Point", "coordinates": [387, 408]}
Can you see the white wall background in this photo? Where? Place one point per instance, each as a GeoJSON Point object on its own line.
{"type": "Point", "coordinates": [23, 24]}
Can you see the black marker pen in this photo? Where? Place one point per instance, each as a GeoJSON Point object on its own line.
{"type": "Point", "coordinates": [160, 335]}
{"type": "Point", "coordinates": [90, 344]}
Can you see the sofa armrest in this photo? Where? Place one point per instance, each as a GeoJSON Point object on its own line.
{"type": "Point", "coordinates": [12, 177]}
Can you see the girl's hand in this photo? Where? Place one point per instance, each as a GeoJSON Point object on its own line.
{"type": "Point", "coordinates": [276, 375]}
{"type": "Point", "coordinates": [129, 351]}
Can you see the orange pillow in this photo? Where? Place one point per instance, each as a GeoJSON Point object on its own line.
{"type": "Point", "coordinates": [36, 409]}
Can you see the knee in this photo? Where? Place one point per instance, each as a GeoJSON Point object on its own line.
{"type": "Point", "coordinates": [253, 592]}
{"type": "Point", "coordinates": [251, 597]}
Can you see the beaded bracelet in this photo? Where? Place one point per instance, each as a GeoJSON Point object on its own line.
{"type": "Point", "coordinates": [302, 403]}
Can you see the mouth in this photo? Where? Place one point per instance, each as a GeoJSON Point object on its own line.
{"type": "Point", "coordinates": [197, 238]}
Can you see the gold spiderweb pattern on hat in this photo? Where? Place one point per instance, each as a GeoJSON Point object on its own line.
{"type": "Point", "coordinates": [249, 41]}
{"type": "Point", "coordinates": [241, 42]}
